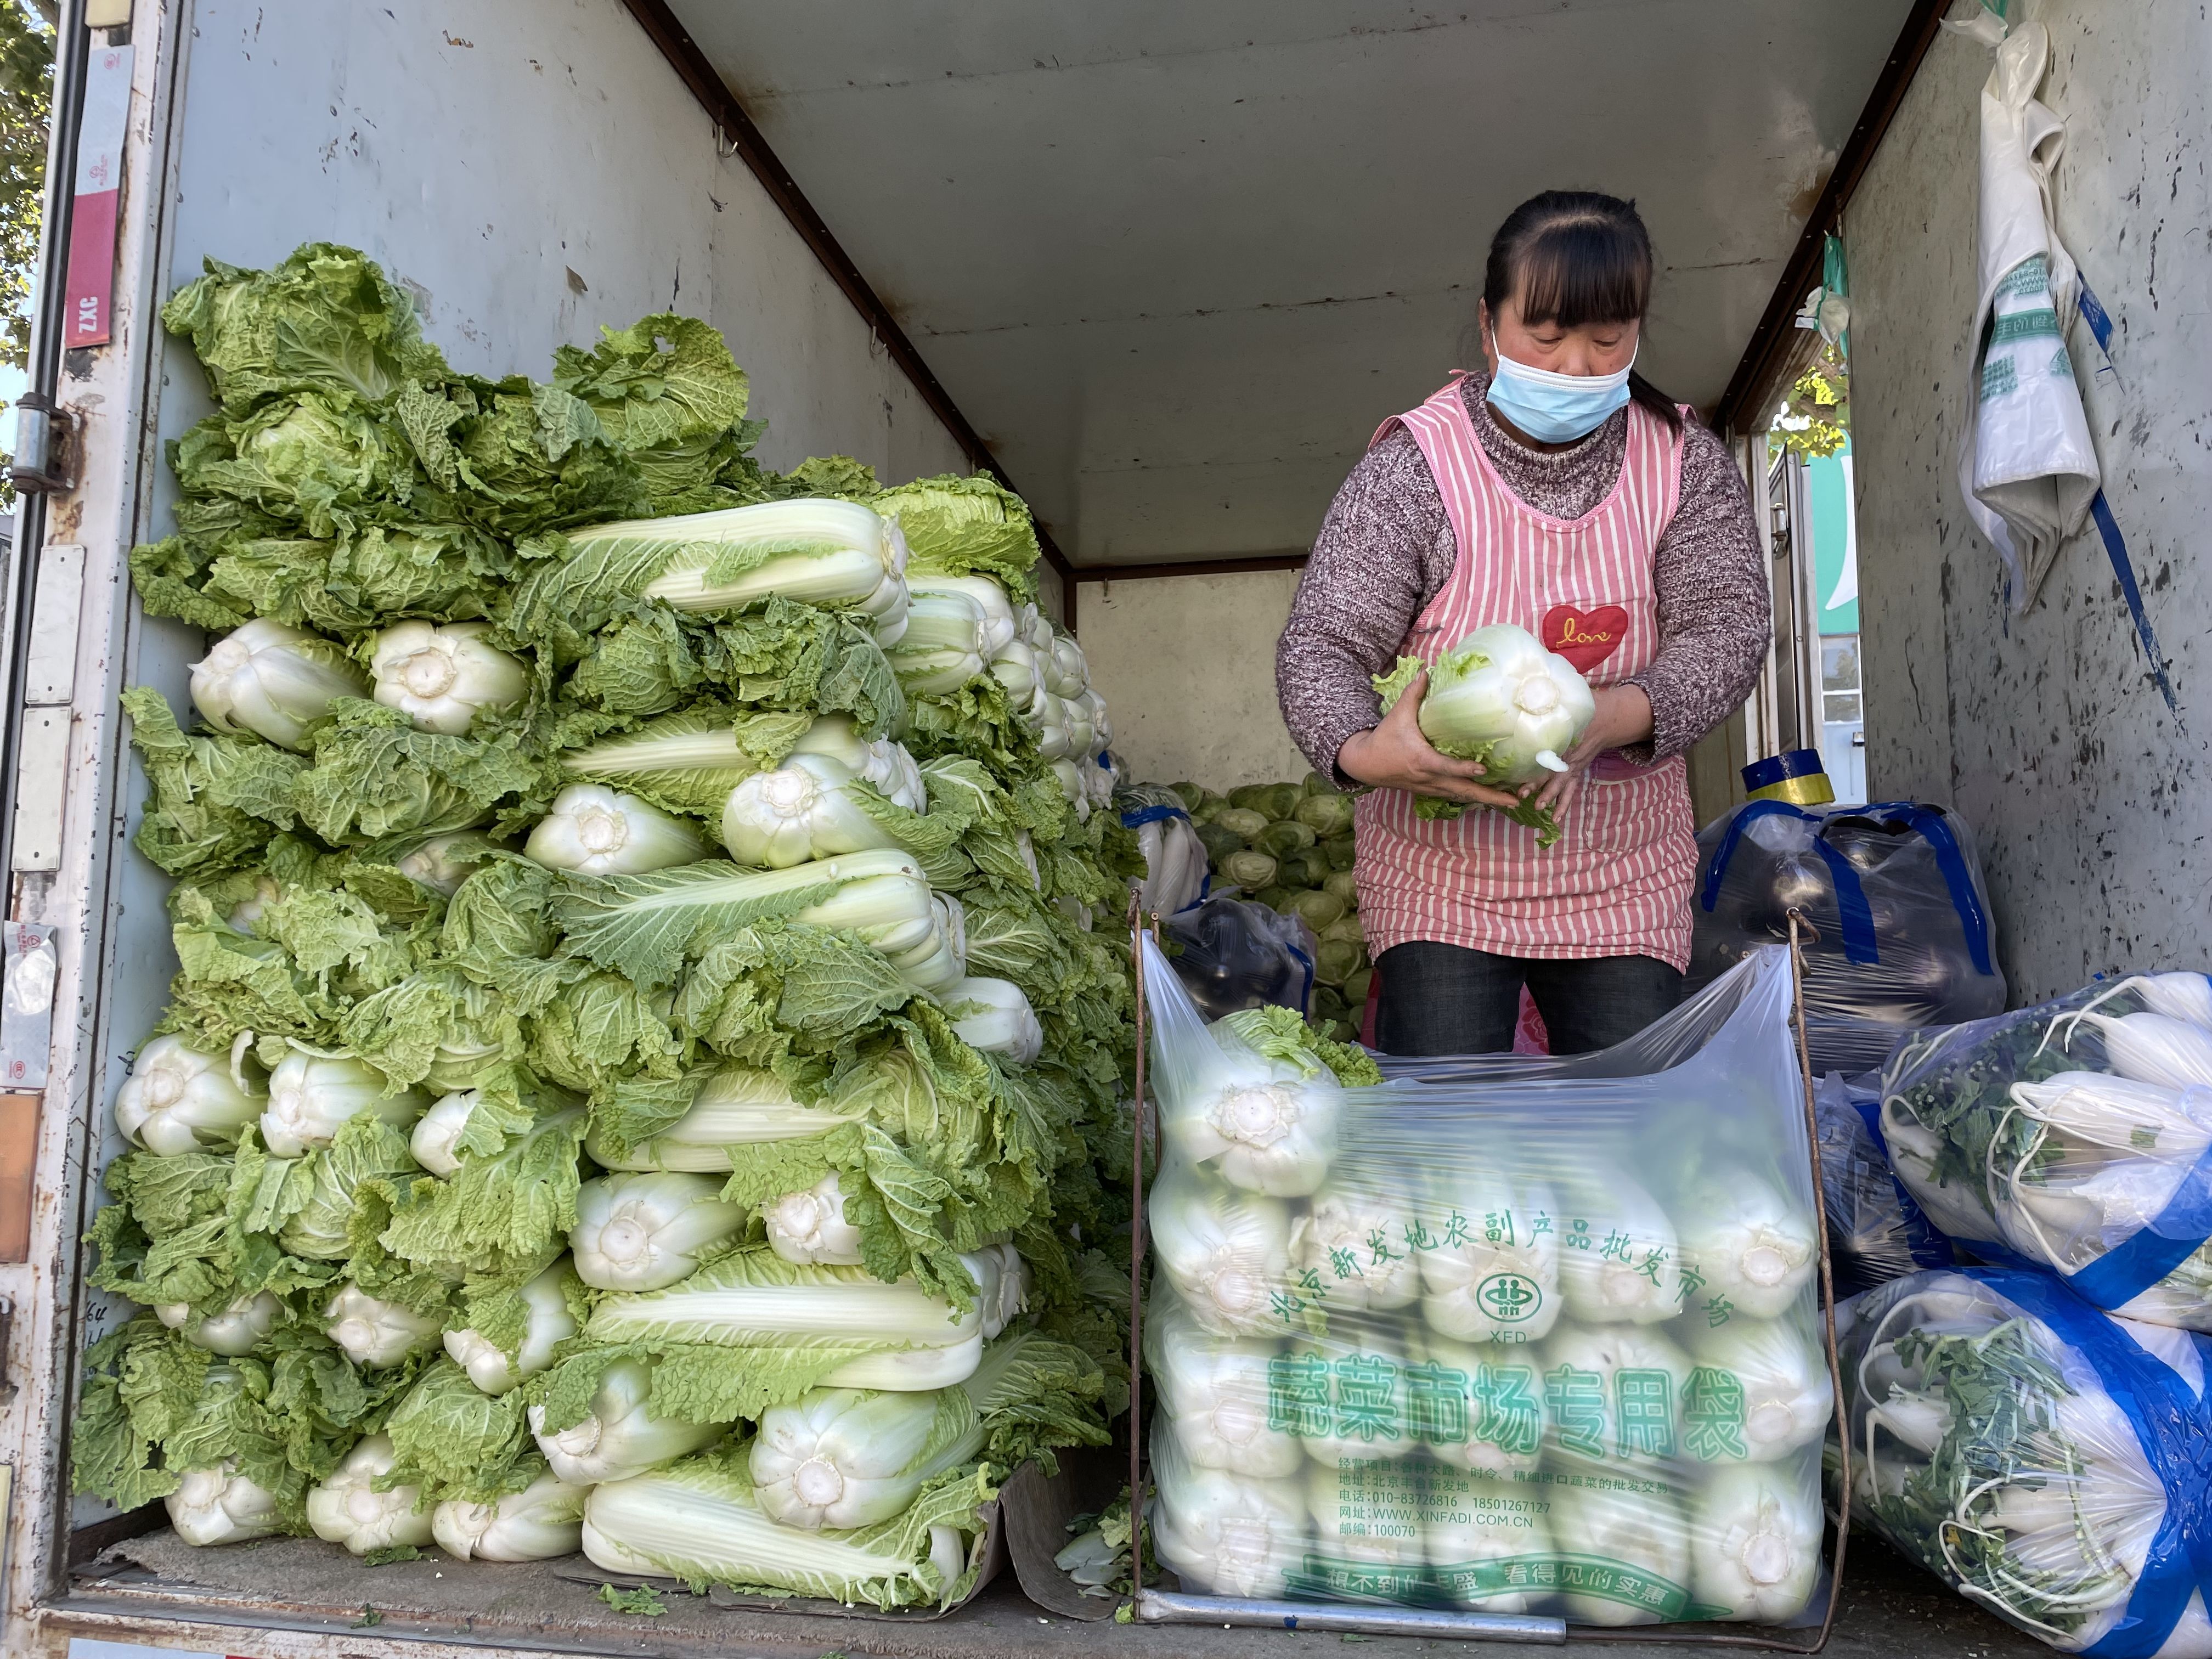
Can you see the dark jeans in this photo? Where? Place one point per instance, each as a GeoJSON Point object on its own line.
{"type": "Point", "coordinates": [1447, 999]}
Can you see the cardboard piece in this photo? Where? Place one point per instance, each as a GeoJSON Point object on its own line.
{"type": "Point", "coordinates": [1038, 1510]}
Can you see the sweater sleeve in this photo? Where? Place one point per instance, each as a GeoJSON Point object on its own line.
{"type": "Point", "coordinates": [1715, 611]}
{"type": "Point", "coordinates": [1366, 579]}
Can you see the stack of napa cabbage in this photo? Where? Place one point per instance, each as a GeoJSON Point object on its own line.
{"type": "Point", "coordinates": [1288, 846]}
{"type": "Point", "coordinates": [639, 1050]}
{"type": "Point", "coordinates": [1412, 1348]}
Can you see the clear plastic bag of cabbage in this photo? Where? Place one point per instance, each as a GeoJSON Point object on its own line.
{"type": "Point", "coordinates": [1541, 1342]}
{"type": "Point", "coordinates": [1904, 936]}
{"type": "Point", "coordinates": [2073, 1137]}
{"type": "Point", "coordinates": [2047, 1461]}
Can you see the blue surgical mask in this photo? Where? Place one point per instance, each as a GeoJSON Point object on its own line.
{"type": "Point", "coordinates": [1556, 408]}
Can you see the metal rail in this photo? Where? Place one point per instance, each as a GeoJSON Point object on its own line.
{"type": "Point", "coordinates": [37, 413]}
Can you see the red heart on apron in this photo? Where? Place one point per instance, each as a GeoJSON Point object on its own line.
{"type": "Point", "coordinates": [1584, 638]}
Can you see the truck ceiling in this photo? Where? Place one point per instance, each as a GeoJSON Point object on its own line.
{"type": "Point", "coordinates": [1175, 262]}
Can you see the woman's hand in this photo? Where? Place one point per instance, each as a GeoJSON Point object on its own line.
{"type": "Point", "coordinates": [1396, 755]}
{"type": "Point", "coordinates": [1623, 717]}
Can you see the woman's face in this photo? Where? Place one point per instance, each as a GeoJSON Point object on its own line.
{"type": "Point", "coordinates": [1591, 349]}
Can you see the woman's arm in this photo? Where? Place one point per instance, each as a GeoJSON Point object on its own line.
{"type": "Point", "coordinates": [1716, 624]}
{"type": "Point", "coordinates": [1384, 550]}
{"type": "Point", "coordinates": [1716, 610]}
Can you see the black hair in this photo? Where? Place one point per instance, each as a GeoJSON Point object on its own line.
{"type": "Point", "coordinates": [1577, 257]}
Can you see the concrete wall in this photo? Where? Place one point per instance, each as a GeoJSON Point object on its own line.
{"type": "Point", "coordinates": [2089, 800]}
{"type": "Point", "coordinates": [1186, 665]}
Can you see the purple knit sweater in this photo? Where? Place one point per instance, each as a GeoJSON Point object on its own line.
{"type": "Point", "coordinates": [1386, 548]}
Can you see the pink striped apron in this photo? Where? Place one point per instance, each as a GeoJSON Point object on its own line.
{"type": "Point", "coordinates": [1618, 881]}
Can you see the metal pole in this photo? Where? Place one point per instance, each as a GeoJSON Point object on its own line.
{"type": "Point", "coordinates": [1158, 1608]}
{"type": "Point", "coordinates": [72, 48]}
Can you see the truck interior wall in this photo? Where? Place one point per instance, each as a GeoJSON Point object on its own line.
{"type": "Point", "coordinates": [529, 172]}
{"type": "Point", "coordinates": [2089, 798]}
{"type": "Point", "coordinates": [1186, 665]}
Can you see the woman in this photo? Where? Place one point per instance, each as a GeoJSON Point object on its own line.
{"type": "Point", "coordinates": [1559, 491]}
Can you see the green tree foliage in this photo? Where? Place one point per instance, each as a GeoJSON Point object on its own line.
{"type": "Point", "coordinates": [26, 72]}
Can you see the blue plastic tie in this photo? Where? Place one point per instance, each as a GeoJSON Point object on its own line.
{"type": "Point", "coordinates": [2116, 549]}
{"type": "Point", "coordinates": [2169, 1422]}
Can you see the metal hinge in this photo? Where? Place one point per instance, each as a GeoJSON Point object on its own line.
{"type": "Point", "coordinates": [37, 468]}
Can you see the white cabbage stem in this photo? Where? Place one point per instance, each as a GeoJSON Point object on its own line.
{"type": "Point", "coordinates": [1225, 1534]}
{"type": "Point", "coordinates": [1014, 666]}
{"type": "Point", "coordinates": [1499, 687]}
{"type": "Point", "coordinates": [441, 678]}
{"type": "Point", "coordinates": [1496, 1276]}
{"type": "Point", "coordinates": [547, 1324]}
{"type": "Point", "coordinates": [312, 1095]}
{"type": "Point", "coordinates": [246, 915]}
{"type": "Point", "coordinates": [1640, 1282]}
{"type": "Point", "coordinates": [738, 1105]}
{"type": "Point", "coordinates": [619, 1437]}
{"type": "Point", "coordinates": [1788, 1398]}
{"type": "Point", "coordinates": [999, 623]}
{"type": "Point", "coordinates": [879, 762]}
{"type": "Point", "coordinates": [347, 1509]}
{"type": "Point", "coordinates": [443, 862]}
{"type": "Point", "coordinates": [596, 831]}
{"type": "Point", "coordinates": [375, 1333]}
{"type": "Point", "coordinates": [273, 681]}
{"type": "Point", "coordinates": [1756, 1535]}
{"type": "Point", "coordinates": [798, 812]}
{"type": "Point", "coordinates": [1751, 1244]}
{"type": "Point", "coordinates": [1227, 1252]}
{"type": "Point", "coordinates": [640, 1233]}
{"type": "Point", "coordinates": [942, 647]}
{"type": "Point", "coordinates": [222, 1506]}
{"type": "Point", "coordinates": [545, 1519]}
{"type": "Point", "coordinates": [809, 1226]}
{"type": "Point", "coordinates": [1069, 674]}
{"type": "Point", "coordinates": [180, 1099]}
{"type": "Point", "coordinates": [1215, 1391]}
{"type": "Point", "coordinates": [1333, 1241]}
{"type": "Point", "coordinates": [843, 1457]}
{"type": "Point", "coordinates": [1268, 1126]}
{"type": "Point", "coordinates": [436, 1139]}
{"type": "Point", "coordinates": [237, 1329]}
{"type": "Point", "coordinates": [992, 1015]}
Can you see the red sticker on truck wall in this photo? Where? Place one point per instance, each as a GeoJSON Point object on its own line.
{"type": "Point", "coordinates": [1584, 638]}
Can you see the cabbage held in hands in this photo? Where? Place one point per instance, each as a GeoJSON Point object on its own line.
{"type": "Point", "coordinates": [1499, 699]}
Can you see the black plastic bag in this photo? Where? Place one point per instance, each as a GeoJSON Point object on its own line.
{"type": "Point", "coordinates": [1876, 1232]}
{"type": "Point", "coordinates": [1233, 954]}
{"type": "Point", "coordinates": [1895, 897]}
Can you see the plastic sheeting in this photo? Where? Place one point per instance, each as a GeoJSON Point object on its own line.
{"type": "Point", "coordinates": [1231, 954]}
{"type": "Point", "coordinates": [1876, 1230]}
{"type": "Point", "coordinates": [1511, 1333]}
{"type": "Point", "coordinates": [1896, 897]}
{"type": "Point", "coordinates": [2047, 1461]}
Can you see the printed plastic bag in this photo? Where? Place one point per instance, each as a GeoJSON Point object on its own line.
{"type": "Point", "coordinates": [1894, 893]}
{"type": "Point", "coordinates": [1876, 1232]}
{"type": "Point", "coordinates": [2047, 1461]}
{"type": "Point", "coordinates": [2074, 1138]}
{"type": "Point", "coordinates": [1175, 876]}
{"type": "Point", "coordinates": [1234, 954]}
{"type": "Point", "coordinates": [1544, 1341]}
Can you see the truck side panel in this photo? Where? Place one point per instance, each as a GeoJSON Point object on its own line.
{"type": "Point", "coordinates": [530, 170]}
